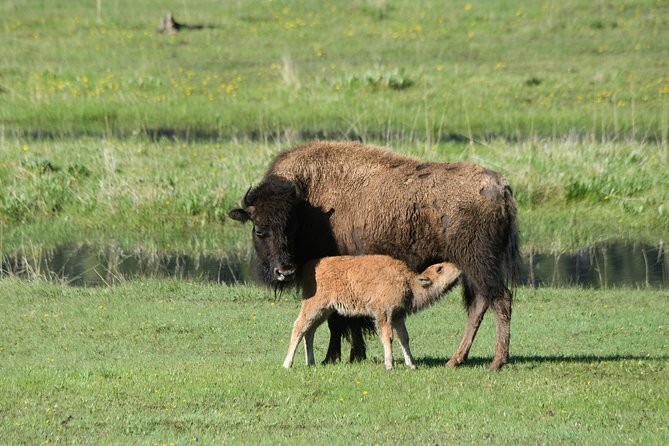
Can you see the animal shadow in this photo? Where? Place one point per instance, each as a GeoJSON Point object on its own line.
{"type": "Point", "coordinates": [431, 362]}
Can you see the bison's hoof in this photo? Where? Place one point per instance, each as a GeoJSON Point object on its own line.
{"type": "Point", "coordinates": [358, 357]}
{"type": "Point", "coordinates": [331, 360]}
{"type": "Point", "coordinates": [496, 365]}
{"type": "Point", "coordinates": [455, 362]}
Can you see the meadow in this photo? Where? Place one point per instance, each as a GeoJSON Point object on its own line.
{"type": "Point", "coordinates": [173, 197]}
{"type": "Point", "coordinates": [372, 69]}
{"type": "Point", "coordinates": [112, 133]}
{"type": "Point", "coordinates": [116, 136]}
{"type": "Point", "coordinates": [167, 362]}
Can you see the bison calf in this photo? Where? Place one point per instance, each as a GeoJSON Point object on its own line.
{"type": "Point", "coordinates": [374, 285]}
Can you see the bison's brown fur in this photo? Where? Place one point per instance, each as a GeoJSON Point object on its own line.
{"type": "Point", "coordinates": [377, 286]}
{"type": "Point", "coordinates": [329, 198]}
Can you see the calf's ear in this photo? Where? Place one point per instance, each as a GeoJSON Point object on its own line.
{"type": "Point", "coordinates": [424, 281]}
{"type": "Point", "coordinates": [240, 215]}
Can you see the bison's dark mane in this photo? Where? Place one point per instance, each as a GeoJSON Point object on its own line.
{"type": "Point", "coordinates": [277, 203]}
{"type": "Point", "coordinates": [281, 204]}
{"type": "Point", "coordinates": [278, 197]}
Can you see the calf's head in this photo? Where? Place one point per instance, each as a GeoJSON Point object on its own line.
{"type": "Point", "coordinates": [440, 276]}
{"type": "Point", "coordinates": [271, 207]}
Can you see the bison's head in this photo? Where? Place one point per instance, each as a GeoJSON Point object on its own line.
{"type": "Point", "coordinates": [272, 208]}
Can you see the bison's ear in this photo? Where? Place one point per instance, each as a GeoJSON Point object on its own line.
{"type": "Point", "coordinates": [424, 281]}
{"type": "Point", "coordinates": [240, 215]}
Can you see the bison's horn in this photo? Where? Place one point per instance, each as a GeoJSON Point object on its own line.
{"type": "Point", "coordinates": [245, 201]}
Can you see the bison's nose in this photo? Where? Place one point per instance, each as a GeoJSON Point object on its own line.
{"type": "Point", "coordinates": [284, 272]}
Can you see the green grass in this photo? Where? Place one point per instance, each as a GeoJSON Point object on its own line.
{"type": "Point", "coordinates": [164, 362]}
{"type": "Point", "coordinates": [369, 68]}
{"type": "Point", "coordinates": [113, 134]}
{"type": "Point", "coordinates": [168, 196]}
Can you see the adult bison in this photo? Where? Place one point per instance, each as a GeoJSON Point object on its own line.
{"type": "Point", "coordinates": [333, 198]}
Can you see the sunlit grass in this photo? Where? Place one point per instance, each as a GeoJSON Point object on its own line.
{"type": "Point", "coordinates": [570, 101]}
{"type": "Point", "coordinates": [164, 362]}
{"type": "Point", "coordinates": [174, 196]}
{"type": "Point", "coordinates": [361, 69]}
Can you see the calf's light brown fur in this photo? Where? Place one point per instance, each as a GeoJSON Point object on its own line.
{"type": "Point", "coordinates": [375, 285]}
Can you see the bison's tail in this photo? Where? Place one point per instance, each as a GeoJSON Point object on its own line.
{"type": "Point", "coordinates": [366, 324]}
{"type": "Point", "coordinates": [512, 257]}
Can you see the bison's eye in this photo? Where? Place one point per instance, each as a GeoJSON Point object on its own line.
{"type": "Point", "coordinates": [260, 233]}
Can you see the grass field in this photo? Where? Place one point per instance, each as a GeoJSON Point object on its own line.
{"type": "Point", "coordinates": [118, 135]}
{"type": "Point", "coordinates": [167, 196]}
{"type": "Point", "coordinates": [164, 362]}
{"type": "Point", "coordinates": [370, 68]}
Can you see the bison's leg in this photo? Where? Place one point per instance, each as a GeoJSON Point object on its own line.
{"type": "Point", "coordinates": [403, 337]}
{"type": "Point", "coordinates": [340, 326]}
{"type": "Point", "coordinates": [476, 308]}
{"type": "Point", "coordinates": [358, 348]}
{"type": "Point", "coordinates": [336, 324]}
{"type": "Point", "coordinates": [502, 308]}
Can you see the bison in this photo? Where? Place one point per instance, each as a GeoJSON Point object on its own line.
{"type": "Point", "coordinates": [344, 198]}
{"type": "Point", "coordinates": [375, 286]}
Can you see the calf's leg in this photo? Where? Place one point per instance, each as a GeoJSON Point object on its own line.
{"type": "Point", "coordinates": [309, 346]}
{"type": "Point", "coordinates": [316, 320]}
{"type": "Point", "coordinates": [403, 336]}
{"type": "Point", "coordinates": [296, 336]}
{"type": "Point", "coordinates": [386, 332]}
{"type": "Point", "coordinates": [310, 317]}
